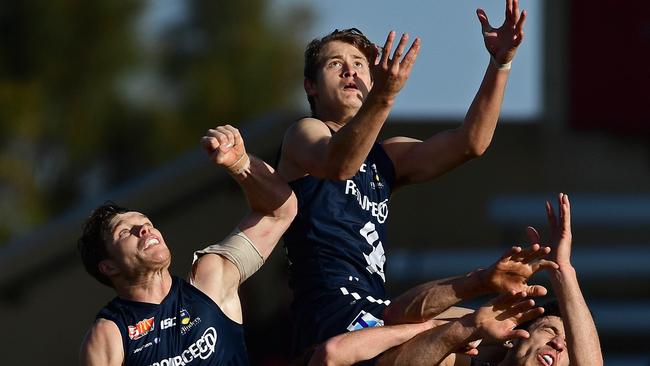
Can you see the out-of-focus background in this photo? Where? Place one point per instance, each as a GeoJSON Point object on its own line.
{"type": "Point", "coordinates": [107, 100]}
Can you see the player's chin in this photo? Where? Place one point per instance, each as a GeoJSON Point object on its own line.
{"type": "Point", "coordinates": [355, 100]}
{"type": "Point", "coordinates": [160, 256]}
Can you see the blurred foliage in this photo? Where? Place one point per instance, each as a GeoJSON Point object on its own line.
{"type": "Point", "coordinates": [88, 102]}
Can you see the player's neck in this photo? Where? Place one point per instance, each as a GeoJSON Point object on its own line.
{"type": "Point", "coordinates": [334, 126]}
{"type": "Point", "coordinates": [337, 118]}
{"type": "Point", "coordinates": [151, 288]}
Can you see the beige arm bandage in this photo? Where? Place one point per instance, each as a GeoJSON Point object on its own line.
{"type": "Point", "coordinates": [239, 250]}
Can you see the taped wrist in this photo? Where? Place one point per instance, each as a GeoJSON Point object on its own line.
{"type": "Point", "coordinates": [238, 249]}
{"type": "Point", "coordinates": [500, 66]}
{"type": "Point", "coordinates": [240, 166]}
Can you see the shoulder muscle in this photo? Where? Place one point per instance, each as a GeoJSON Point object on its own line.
{"type": "Point", "coordinates": [102, 345]}
{"type": "Point", "coordinates": [218, 278]}
{"type": "Point", "coordinates": [304, 149]}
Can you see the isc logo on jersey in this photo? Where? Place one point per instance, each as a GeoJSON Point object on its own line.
{"type": "Point", "coordinates": [168, 323]}
{"type": "Point", "coordinates": [141, 328]}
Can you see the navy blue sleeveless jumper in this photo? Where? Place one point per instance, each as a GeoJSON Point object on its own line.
{"type": "Point", "coordinates": [336, 251]}
{"type": "Point", "coordinates": [187, 328]}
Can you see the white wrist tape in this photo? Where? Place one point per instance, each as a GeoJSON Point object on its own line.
{"type": "Point", "coordinates": [499, 66]}
{"type": "Point", "coordinates": [242, 165]}
{"type": "Point", "coordinates": [238, 249]}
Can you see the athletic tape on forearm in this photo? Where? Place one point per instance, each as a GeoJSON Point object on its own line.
{"type": "Point", "coordinates": [239, 250]}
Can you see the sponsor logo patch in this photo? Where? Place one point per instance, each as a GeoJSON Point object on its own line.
{"type": "Point", "coordinates": [378, 210]}
{"type": "Point", "coordinates": [200, 350]}
{"type": "Point", "coordinates": [168, 323]}
{"type": "Point", "coordinates": [185, 317]}
{"type": "Point", "coordinates": [190, 324]}
{"type": "Point", "coordinates": [143, 347]}
{"type": "Point", "coordinates": [365, 320]}
{"type": "Point", "coordinates": [171, 322]}
{"type": "Point", "coordinates": [141, 328]}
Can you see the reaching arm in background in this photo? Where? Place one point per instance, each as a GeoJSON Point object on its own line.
{"type": "Point", "coordinates": [510, 273]}
{"type": "Point", "coordinates": [582, 337]}
{"type": "Point", "coordinates": [449, 149]}
{"type": "Point", "coordinates": [496, 320]}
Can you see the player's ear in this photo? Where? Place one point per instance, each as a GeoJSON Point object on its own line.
{"type": "Point", "coordinates": [310, 87]}
{"type": "Point", "coordinates": [509, 344]}
{"type": "Point", "coordinates": [108, 268]}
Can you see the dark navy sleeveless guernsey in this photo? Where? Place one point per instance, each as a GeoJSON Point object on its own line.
{"type": "Point", "coordinates": [187, 328]}
{"type": "Point", "coordinates": [339, 234]}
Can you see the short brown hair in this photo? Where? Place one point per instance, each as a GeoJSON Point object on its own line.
{"type": "Point", "coordinates": [551, 308]}
{"type": "Point", "coordinates": [351, 36]}
{"type": "Point", "coordinates": [92, 243]}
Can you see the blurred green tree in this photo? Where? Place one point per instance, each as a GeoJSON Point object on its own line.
{"type": "Point", "coordinates": [87, 100]}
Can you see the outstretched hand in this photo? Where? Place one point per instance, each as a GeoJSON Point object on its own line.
{"type": "Point", "coordinates": [560, 230]}
{"type": "Point", "coordinates": [225, 146]}
{"type": "Point", "coordinates": [512, 271]}
{"type": "Point", "coordinates": [390, 74]}
{"type": "Point", "coordinates": [498, 318]}
{"type": "Point", "coordinates": [502, 42]}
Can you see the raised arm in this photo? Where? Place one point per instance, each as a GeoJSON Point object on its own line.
{"type": "Point", "coordinates": [102, 345]}
{"type": "Point", "coordinates": [494, 320]}
{"type": "Point", "coordinates": [309, 146]}
{"type": "Point", "coordinates": [364, 344]}
{"type": "Point", "coordinates": [446, 150]}
{"type": "Point", "coordinates": [510, 273]}
{"type": "Point", "coordinates": [273, 207]}
{"type": "Point", "coordinates": [582, 338]}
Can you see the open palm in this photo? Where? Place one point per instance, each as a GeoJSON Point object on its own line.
{"type": "Point", "coordinates": [498, 318]}
{"type": "Point", "coordinates": [502, 42]}
{"type": "Point", "coordinates": [512, 271]}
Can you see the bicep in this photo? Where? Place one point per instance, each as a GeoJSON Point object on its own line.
{"type": "Point", "coordinates": [417, 161]}
{"type": "Point", "coordinates": [304, 149]}
{"type": "Point", "coordinates": [102, 345]}
{"type": "Point", "coordinates": [216, 276]}
{"type": "Point", "coordinates": [263, 231]}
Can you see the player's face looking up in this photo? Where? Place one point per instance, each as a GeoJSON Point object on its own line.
{"type": "Point", "coordinates": [546, 345]}
{"type": "Point", "coordinates": [134, 245]}
{"type": "Point", "coordinates": [343, 78]}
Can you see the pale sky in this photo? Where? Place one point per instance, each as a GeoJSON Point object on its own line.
{"type": "Point", "coordinates": [453, 58]}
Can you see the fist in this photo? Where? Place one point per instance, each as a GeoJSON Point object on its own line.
{"type": "Point", "coordinates": [224, 145]}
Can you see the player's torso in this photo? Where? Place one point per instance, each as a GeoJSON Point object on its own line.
{"type": "Point", "coordinates": [339, 235]}
{"type": "Point", "coordinates": [187, 328]}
